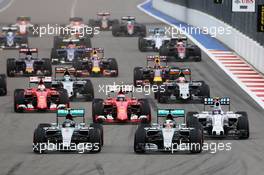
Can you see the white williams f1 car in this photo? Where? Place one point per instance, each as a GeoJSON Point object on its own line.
{"type": "Point", "coordinates": [154, 41]}
{"type": "Point", "coordinates": [217, 123]}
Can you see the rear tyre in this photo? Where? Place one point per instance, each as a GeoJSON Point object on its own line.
{"type": "Point", "coordinates": [89, 90]}
{"type": "Point", "coordinates": [10, 67]}
{"type": "Point", "coordinates": [115, 30]}
{"type": "Point", "coordinates": [39, 138]}
{"type": "Point", "coordinates": [3, 86]}
{"type": "Point", "coordinates": [95, 139]}
{"type": "Point", "coordinates": [138, 75]}
{"type": "Point", "coordinates": [101, 129]}
{"type": "Point", "coordinates": [19, 99]}
{"type": "Point", "coordinates": [196, 141]}
{"type": "Point", "coordinates": [243, 125]}
{"type": "Point", "coordinates": [145, 110]}
{"type": "Point", "coordinates": [64, 98]}
{"type": "Point", "coordinates": [140, 140]}
{"type": "Point", "coordinates": [97, 109]}
{"type": "Point", "coordinates": [142, 44]}
{"type": "Point", "coordinates": [113, 65]}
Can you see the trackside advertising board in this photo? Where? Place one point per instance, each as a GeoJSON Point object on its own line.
{"type": "Point", "coordinates": [260, 18]}
{"type": "Point", "coordinates": [243, 5]}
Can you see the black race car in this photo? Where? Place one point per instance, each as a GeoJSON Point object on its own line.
{"type": "Point", "coordinates": [180, 50]}
{"type": "Point", "coordinates": [103, 22]}
{"type": "Point", "coordinates": [10, 39]}
{"type": "Point", "coordinates": [128, 27]}
{"type": "Point", "coordinates": [29, 64]}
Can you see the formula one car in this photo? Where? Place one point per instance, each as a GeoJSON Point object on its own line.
{"type": "Point", "coordinates": [40, 98]}
{"type": "Point", "coordinates": [95, 64]}
{"type": "Point", "coordinates": [154, 41]}
{"type": "Point", "coordinates": [3, 87]}
{"type": "Point", "coordinates": [76, 88]}
{"type": "Point", "coordinates": [180, 50]}
{"type": "Point", "coordinates": [103, 22]}
{"type": "Point", "coordinates": [28, 64]}
{"type": "Point", "coordinates": [170, 136]}
{"type": "Point", "coordinates": [121, 109]}
{"type": "Point", "coordinates": [217, 123]}
{"type": "Point", "coordinates": [9, 39]}
{"type": "Point", "coordinates": [65, 54]}
{"type": "Point", "coordinates": [25, 27]}
{"type": "Point", "coordinates": [128, 27]}
{"type": "Point", "coordinates": [156, 74]}
{"type": "Point", "coordinates": [68, 135]}
{"type": "Point", "coordinates": [78, 28]}
{"type": "Point", "coordinates": [183, 89]}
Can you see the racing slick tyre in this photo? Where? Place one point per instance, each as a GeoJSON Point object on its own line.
{"type": "Point", "coordinates": [10, 67]}
{"type": "Point", "coordinates": [97, 109]}
{"type": "Point", "coordinates": [101, 129]}
{"type": "Point", "coordinates": [95, 140]}
{"type": "Point", "coordinates": [64, 98]}
{"type": "Point", "coordinates": [89, 90]}
{"type": "Point", "coordinates": [145, 110]}
{"type": "Point", "coordinates": [113, 65]}
{"type": "Point", "coordinates": [19, 99]}
{"type": "Point", "coordinates": [161, 97]}
{"type": "Point", "coordinates": [92, 23]}
{"type": "Point", "coordinates": [47, 67]}
{"type": "Point", "coordinates": [193, 122]}
{"type": "Point", "coordinates": [140, 139]}
{"type": "Point", "coordinates": [115, 30]}
{"type": "Point", "coordinates": [163, 50]}
{"type": "Point", "coordinates": [197, 54]}
{"type": "Point", "coordinates": [39, 138]}
{"type": "Point", "coordinates": [243, 125]}
{"type": "Point", "coordinates": [43, 125]}
{"type": "Point", "coordinates": [3, 88]}
{"type": "Point", "coordinates": [143, 31]}
{"type": "Point", "coordinates": [24, 42]}
{"type": "Point", "coordinates": [56, 42]}
{"type": "Point", "coordinates": [138, 75]}
{"type": "Point", "coordinates": [142, 44]}
{"type": "Point", "coordinates": [204, 90]}
{"type": "Point", "coordinates": [54, 55]}
{"type": "Point", "coordinates": [86, 42]}
{"type": "Point", "coordinates": [115, 22]}
{"type": "Point", "coordinates": [196, 141]}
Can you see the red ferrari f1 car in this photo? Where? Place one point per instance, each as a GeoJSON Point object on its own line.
{"type": "Point", "coordinates": [40, 98]}
{"type": "Point", "coordinates": [121, 109]}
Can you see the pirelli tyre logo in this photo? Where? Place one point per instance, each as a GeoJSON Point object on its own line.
{"type": "Point", "coordinates": [260, 18]}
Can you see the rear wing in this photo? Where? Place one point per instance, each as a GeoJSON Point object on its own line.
{"type": "Point", "coordinates": [38, 79]}
{"type": "Point", "coordinates": [76, 19]}
{"type": "Point", "coordinates": [70, 40]}
{"type": "Point", "coordinates": [154, 30]}
{"type": "Point", "coordinates": [25, 50]}
{"type": "Point", "coordinates": [103, 14]}
{"type": "Point", "coordinates": [4, 29]}
{"type": "Point", "coordinates": [23, 18]}
{"type": "Point", "coordinates": [73, 112]}
{"type": "Point", "coordinates": [128, 18]}
{"type": "Point", "coordinates": [157, 60]}
{"type": "Point", "coordinates": [62, 70]}
{"type": "Point", "coordinates": [176, 113]}
{"type": "Point", "coordinates": [217, 102]}
{"type": "Point", "coordinates": [98, 50]}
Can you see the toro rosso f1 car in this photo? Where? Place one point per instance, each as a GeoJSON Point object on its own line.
{"type": "Point", "coordinates": [103, 21]}
{"type": "Point", "coordinates": [182, 89]}
{"type": "Point", "coordinates": [40, 98]}
{"type": "Point", "coordinates": [170, 136]}
{"type": "Point", "coordinates": [220, 123]}
{"type": "Point", "coordinates": [77, 88]}
{"type": "Point", "coordinates": [95, 64]}
{"type": "Point", "coordinates": [180, 50]}
{"type": "Point", "coordinates": [128, 27]}
{"type": "Point", "coordinates": [68, 135]}
{"type": "Point", "coordinates": [29, 64]}
{"type": "Point", "coordinates": [121, 109]}
{"type": "Point", "coordinates": [3, 87]}
{"type": "Point", "coordinates": [154, 41]}
{"type": "Point", "coordinates": [9, 39]}
{"type": "Point", "coordinates": [66, 54]}
{"type": "Point", "coordinates": [156, 74]}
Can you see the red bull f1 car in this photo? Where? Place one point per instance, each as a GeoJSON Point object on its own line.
{"type": "Point", "coordinates": [41, 98]}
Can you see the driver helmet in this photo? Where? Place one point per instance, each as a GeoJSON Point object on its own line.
{"type": "Point", "coordinates": [121, 97]}
{"type": "Point", "coordinates": [68, 123]}
{"type": "Point", "coordinates": [28, 55]}
{"type": "Point", "coordinates": [71, 45]}
{"type": "Point", "coordinates": [169, 123]}
{"type": "Point", "coordinates": [41, 87]}
{"type": "Point", "coordinates": [181, 79]}
{"type": "Point", "coordinates": [216, 111]}
{"type": "Point", "coordinates": [67, 77]}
